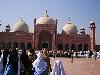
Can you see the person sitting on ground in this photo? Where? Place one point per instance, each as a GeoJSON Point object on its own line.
{"type": "Point", "coordinates": [90, 53]}
{"type": "Point", "coordinates": [76, 54]}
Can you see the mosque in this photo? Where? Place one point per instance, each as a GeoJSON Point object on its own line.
{"type": "Point", "coordinates": [45, 36]}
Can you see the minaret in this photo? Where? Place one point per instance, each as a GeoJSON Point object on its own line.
{"type": "Point", "coordinates": [34, 36]}
{"type": "Point", "coordinates": [92, 35]}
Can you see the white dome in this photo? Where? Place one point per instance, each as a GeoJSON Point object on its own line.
{"type": "Point", "coordinates": [45, 19]}
{"type": "Point", "coordinates": [21, 26]}
{"type": "Point", "coordinates": [70, 28]}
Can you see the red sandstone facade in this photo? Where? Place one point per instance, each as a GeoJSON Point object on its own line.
{"type": "Point", "coordinates": [46, 36]}
{"type": "Point", "coordinates": [16, 40]}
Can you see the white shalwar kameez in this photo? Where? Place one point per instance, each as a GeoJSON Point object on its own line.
{"type": "Point", "coordinates": [1, 64]}
{"type": "Point", "coordinates": [58, 68]}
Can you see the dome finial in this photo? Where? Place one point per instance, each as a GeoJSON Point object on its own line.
{"type": "Point", "coordinates": [91, 20]}
{"type": "Point", "coordinates": [69, 22]}
{"type": "Point", "coordinates": [46, 14]}
{"type": "Point", "coordinates": [21, 19]}
{"type": "Point", "coordinates": [69, 19]}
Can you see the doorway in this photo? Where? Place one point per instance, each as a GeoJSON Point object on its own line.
{"type": "Point", "coordinates": [44, 45]}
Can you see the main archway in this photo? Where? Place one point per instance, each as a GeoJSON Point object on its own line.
{"type": "Point", "coordinates": [45, 40]}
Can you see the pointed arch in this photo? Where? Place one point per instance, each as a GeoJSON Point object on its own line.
{"type": "Point", "coordinates": [2, 45]}
{"type": "Point", "coordinates": [60, 46]}
{"type": "Point", "coordinates": [8, 45]}
{"type": "Point", "coordinates": [22, 45]}
{"type": "Point", "coordinates": [15, 45]}
{"type": "Point", "coordinates": [86, 47]}
{"type": "Point", "coordinates": [73, 47]}
{"type": "Point", "coordinates": [29, 45]}
{"type": "Point", "coordinates": [66, 46]}
{"type": "Point", "coordinates": [80, 47]}
{"type": "Point", "coordinates": [45, 39]}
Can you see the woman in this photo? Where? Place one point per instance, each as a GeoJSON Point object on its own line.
{"type": "Point", "coordinates": [39, 65]}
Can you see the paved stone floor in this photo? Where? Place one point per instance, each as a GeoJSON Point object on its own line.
{"type": "Point", "coordinates": [80, 66]}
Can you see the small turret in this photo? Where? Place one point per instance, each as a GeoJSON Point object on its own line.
{"type": "Point", "coordinates": [7, 28]}
{"type": "Point", "coordinates": [82, 30]}
{"type": "Point", "coordinates": [34, 21]}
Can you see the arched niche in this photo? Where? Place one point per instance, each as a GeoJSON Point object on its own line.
{"type": "Point", "coordinates": [45, 40]}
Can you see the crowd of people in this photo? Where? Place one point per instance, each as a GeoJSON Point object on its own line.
{"type": "Point", "coordinates": [77, 54]}
{"type": "Point", "coordinates": [14, 62]}
{"type": "Point", "coordinates": [93, 54]}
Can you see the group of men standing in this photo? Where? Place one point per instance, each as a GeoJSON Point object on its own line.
{"type": "Point", "coordinates": [15, 63]}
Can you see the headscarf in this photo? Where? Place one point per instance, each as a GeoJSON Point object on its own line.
{"type": "Point", "coordinates": [39, 65]}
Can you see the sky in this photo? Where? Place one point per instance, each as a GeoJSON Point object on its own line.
{"type": "Point", "coordinates": [79, 11]}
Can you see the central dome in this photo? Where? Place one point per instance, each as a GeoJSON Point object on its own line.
{"type": "Point", "coordinates": [45, 19]}
{"type": "Point", "coordinates": [21, 26]}
{"type": "Point", "coordinates": [70, 28]}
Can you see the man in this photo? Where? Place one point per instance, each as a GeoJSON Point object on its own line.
{"type": "Point", "coordinates": [72, 52]}
{"type": "Point", "coordinates": [95, 55]}
{"type": "Point", "coordinates": [58, 68]}
{"type": "Point", "coordinates": [87, 54]}
{"type": "Point", "coordinates": [12, 66]}
{"type": "Point", "coordinates": [32, 56]}
{"type": "Point", "coordinates": [5, 55]}
{"type": "Point", "coordinates": [24, 63]}
{"type": "Point", "coordinates": [1, 64]}
{"type": "Point", "coordinates": [47, 59]}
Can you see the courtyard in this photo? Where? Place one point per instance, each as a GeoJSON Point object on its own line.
{"type": "Point", "coordinates": [80, 66]}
